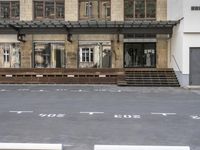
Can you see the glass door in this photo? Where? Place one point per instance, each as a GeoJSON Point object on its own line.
{"type": "Point", "coordinates": [140, 55]}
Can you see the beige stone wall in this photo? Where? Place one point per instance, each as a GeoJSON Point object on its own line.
{"type": "Point", "coordinates": [162, 53]}
{"type": "Point", "coordinates": [117, 10]}
{"type": "Point", "coordinates": [162, 43]}
{"type": "Point", "coordinates": [71, 10]}
{"type": "Point", "coordinates": [26, 52]}
{"type": "Point", "coordinates": [161, 10]}
{"type": "Point", "coordinates": [117, 53]}
{"type": "Point", "coordinates": [72, 51]}
{"type": "Point", "coordinates": [26, 10]}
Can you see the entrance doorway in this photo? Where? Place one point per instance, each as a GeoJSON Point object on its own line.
{"type": "Point", "coordinates": [140, 55]}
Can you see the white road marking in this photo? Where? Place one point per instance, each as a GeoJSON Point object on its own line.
{"type": "Point", "coordinates": [129, 147]}
{"type": "Point", "coordinates": [163, 114]}
{"type": "Point", "coordinates": [3, 90]}
{"type": "Point", "coordinates": [67, 145]}
{"type": "Point", "coordinates": [28, 146]}
{"type": "Point", "coordinates": [52, 115]}
{"type": "Point", "coordinates": [91, 113]}
{"type": "Point", "coordinates": [20, 112]}
{"type": "Point", "coordinates": [127, 116]}
{"type": "Point", "coordinates": [23, 89]}
{"type": "Point", "coordinates": [196, 117]}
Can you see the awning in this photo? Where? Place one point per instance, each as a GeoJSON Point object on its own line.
{"type": "Point", "coordinates": [86, 27]}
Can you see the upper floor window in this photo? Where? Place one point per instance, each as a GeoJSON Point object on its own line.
{"type": "Point", "coordinates": [49, 9]}
{"type": "Point", "coordinates": [9, 9]}
{"type": "Point", "coordinates": [94, 9]}
{"type": "Point", "coordinates": [140, 9]}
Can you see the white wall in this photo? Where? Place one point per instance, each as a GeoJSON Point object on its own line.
{"type": "Point", "coordinates": [191, 18]}
{"type": "Point", "coordinates": [190, 40]}
{"type": "Point", "coordinates": [174, 9]}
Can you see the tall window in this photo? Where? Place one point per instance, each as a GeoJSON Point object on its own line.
{"type": "Point", "coordinates": [9, 9]}
{"type": "Point", "coordinates": [94, 9]}
{"type": "Point", "coordinates": [49, 9]}
{"type": "Point", "coordinates": [49, 55]}
{"type": "Point", "coordinates": [87, 55]}
{"type": "Point", "coordinates": [95, 54]}
{"type": "Point", "coordinates": [10, 55]}
{"type": "Point", "coordinates": [140, 9]}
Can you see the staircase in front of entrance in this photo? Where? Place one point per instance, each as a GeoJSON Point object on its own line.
{"type": "Point", "coordinates": [143, 77]}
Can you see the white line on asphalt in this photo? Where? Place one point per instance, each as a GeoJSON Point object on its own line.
{"type": "Point", "coordinates": [23, 89]}
{"type": "Point", "coordinates": [3, 90]}
{"type": "Point", "coordinates": [129, 147]}
{"type": "Point", "coordinates": [196, 117]}
{"type": "Point", "coordinates": [20, 112]}
{"type": "Point", "coordinates": [67, 145]}
{"type": "Point", "coordinates": [29, 146]}
{"type": "Point", "coordinates": [91, 113]}
{"type": "Point", "coordinates": [164, 114]}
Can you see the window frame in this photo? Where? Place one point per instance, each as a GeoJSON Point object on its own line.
{"type": "Point", "coordinates": [145, 11]}
{"type": "Point", "coordinates": [87, 52]}
{"type": "Point", "coordinates": [44, 13]}
{"type": "Point", "coordinates": [11, 17]}
{"type": "Point", "coordinates": [91, 16]}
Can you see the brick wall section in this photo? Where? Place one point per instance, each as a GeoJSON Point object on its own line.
{"type": "Point", "coordinates": [26, 10]}
{"type": "Point", "coordinates": [71, 10]}
{"type": "Point", "coordinates": [117, 10]}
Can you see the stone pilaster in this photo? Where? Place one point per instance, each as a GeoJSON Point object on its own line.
{"type": "Point", "coordinates": [71, 10]}
{"type": "Point", "coordinates": [117, 10]}
{"type": "Point", "coordinates": [26, 52]}
{"type": "Point", "coordinates": [117, 52]}
{"type": "Point", "coordinates": [26, 10]}
{"type": "Point", "coordinates": [161, 10]}
{"type": "Point", "coordinates": [162, 53]}
{"type": "Point", "coordinates": [72, 51]}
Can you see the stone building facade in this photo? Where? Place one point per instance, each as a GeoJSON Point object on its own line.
{"type": "Point", "coordinates": [107, 50]}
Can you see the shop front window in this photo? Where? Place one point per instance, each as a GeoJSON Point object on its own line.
{"type": "Point", "coordinates": [49, 55]}
{"type": "Point", "coordinates": [95, 54]}
{"type": "Point", "coordinates": [94, 9]}
{"type": "Point", "coordinates": [49, 9]}
{"type": "Point", "coordinates": [9, 9]}
{"type": "Point", "coordinates": [10, 54]}
{"type": "Point", "coordinates": [140, 9]}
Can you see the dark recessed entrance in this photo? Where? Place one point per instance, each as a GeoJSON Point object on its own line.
{"type": "Point", "coordinates": [140, 55]}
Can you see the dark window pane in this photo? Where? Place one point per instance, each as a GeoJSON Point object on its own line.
{"type": "Point", "coordinates": [38, 10]}
{"type": "Point", "coordinates": [60, 9]}
{"type": "Point", "coordinates": [49, 10]}
{"type": "Point", "coordinates": [128, 9]}
{"type": "Point", "coordinates": [139, 9]}
{"type": "Point", "coordinates": [5, 10]}
{"type": "Point", "coordinates": [15, 9]}
{"type": "Point", "coordinates": [151, 8]}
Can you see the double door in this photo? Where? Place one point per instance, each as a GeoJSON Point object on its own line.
{"type": "Point", "coordinates": [140, 55]}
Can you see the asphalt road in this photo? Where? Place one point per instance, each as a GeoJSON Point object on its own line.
{"type": "Point", "coordinates": [81, 116]}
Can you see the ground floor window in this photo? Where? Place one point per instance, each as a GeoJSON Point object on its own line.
{"type": "Point", "coordinates": [49, 55]}
{"type": "Point", "coordinates": [95, 54]}
{"type": "Point", "coordinates": [139, 55]}
{"type": "Point", "coordinates": [10, 55]}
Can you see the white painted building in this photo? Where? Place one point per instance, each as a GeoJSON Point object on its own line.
{"type": "Point", "coordinates": [184, 46]}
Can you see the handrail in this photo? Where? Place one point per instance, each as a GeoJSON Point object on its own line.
{"type": "Point", "coordinates": [176, 63]}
